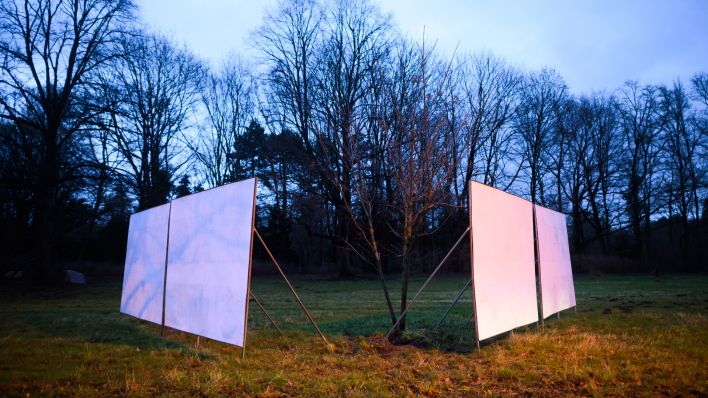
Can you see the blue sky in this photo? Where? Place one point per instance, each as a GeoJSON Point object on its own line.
{"type": "Point", "coordinates": [594, 45]}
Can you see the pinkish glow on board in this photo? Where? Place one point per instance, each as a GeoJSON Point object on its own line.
{"type": "Point", "coordinates": [557, 290]}
{"type": "Point", "coordinates": [502, 260]}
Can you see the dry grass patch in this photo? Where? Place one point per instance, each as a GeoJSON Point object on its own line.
{"type": "Point", "coordinates": [652, 341]}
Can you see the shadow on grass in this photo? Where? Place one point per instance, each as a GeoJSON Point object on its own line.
{"type": "Point", "coordinates": [456, 335]}
{"type": "Point", "coordinates": [95, 327]}
{"type": "Point", "coordinates": [80, 313]}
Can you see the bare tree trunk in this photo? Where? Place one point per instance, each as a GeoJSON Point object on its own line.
{"type": "Point", "coordinates": [46, 269]}
{"type": "Point", "coordinates": [405, 275]}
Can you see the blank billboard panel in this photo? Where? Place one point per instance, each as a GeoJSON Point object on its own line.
{"type": "Point", "coordinates": [503, 272]}
{"type": "Point", "coordinates": [144, 275]}
{"type": "Point", "coordinates": [209, 262]}
{"type": "Point", "coordinates": [557, 290]}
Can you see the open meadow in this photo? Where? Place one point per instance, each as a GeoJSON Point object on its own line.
{"type": "Point", "coordinates": [631, 336]}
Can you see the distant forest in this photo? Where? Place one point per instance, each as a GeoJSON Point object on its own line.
{"type": "Point", "coordinates": [362, 140]}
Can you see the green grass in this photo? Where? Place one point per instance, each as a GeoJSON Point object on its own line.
{"type": "Point", "coordinates": [631, 336]}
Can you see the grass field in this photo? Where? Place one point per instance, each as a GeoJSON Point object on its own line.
{"type": "Point", "coordinates": [631, 336]}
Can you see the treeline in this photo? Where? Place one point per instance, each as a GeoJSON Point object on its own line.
{"type": "Point", "coordinates": [363, 141]}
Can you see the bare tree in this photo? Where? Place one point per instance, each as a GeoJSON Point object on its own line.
{"type": "Point", "coordinates": [319, 58]}
{"type": "Point", "coordinates": [367, 214]}
{"type": "Point", "coordinates": [536, 119]}
{"type": "Point", "coordinates": [419, 152]}
{"type": "Point", "coordinates": [490, 91]}
{"type": "Point", "coordinates": [700, 123]}
{"type": "Point", "coordinates": [599, 162]}
{"type": "Point", "coordinates": [48, 49]}
{"type": "Point", "coordinates": [682, 143]}
{"type": "Point", "coordinates": [287, 40]}
{"type": "Point", "coordinates": [19, 154]}
{"type": "Point", "coordinates": [356, 40]}
{"type": "Point", "coordinates": [100, 162]}
{"type": "Point", "coordinates": [156, 87]}
{"type": "Point", "coordinates": [346, 128]}
{"type": "Point", "coordinates": [700, 88]}
{"type": "Point", "coordinates": [229, 103]}
{"type": "Point", "coordinates": [638, 108]}
{"type": "Point", "coordinates": [571, 173]}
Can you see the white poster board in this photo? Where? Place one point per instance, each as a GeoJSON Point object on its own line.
{"type": "Point", "coordinates": [503, 273]}
{"type": "Point", "coordinates": [555, 273]}
{"type": "Point", "coordinates": [144, 275]}
{"type": "Point", "coordinates": [208, 267]}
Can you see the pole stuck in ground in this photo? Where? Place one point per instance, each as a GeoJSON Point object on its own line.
{"type": "Point", "coordinates": [255, 299]}
{"type": "Point", "coordinates": [292, 289]}
{"type": "Point", "coordinates": [457, 298]}
{"type": "Point", "coordinates": [164, 279]}
{"type": "Point", "coordinates": [425, 284]}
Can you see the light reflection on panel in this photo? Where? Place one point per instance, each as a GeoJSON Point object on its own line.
{"type": "Point", "coordinates": [503, 260]}
{"type": "Point", "coordinates": [557, 290]}
{"type": "Point", "coordinates": [144, 275]}
{"type": "Point", "coordinates": [208, 262]}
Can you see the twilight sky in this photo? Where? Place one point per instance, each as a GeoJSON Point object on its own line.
{"type": "Point", "coordinates": [593, 44]}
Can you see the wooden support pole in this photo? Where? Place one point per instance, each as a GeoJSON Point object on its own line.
{"type": "Point", "coordinates": [292, 289]}
{"type": "Point", "coordinates": [474, 290]}
{"type": "Point", "coordinates": [425, 284]}
{"type": "Point", "coordinates": [537, 260]}
{"type": "Point", "coordinates": [164, 279]}
{"type": "Point", "coordinates": [459, 296]}
{"type": "Point", "coordinates": [250, 263]}
{"type": "Point", "coordinates": [255, 299]}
